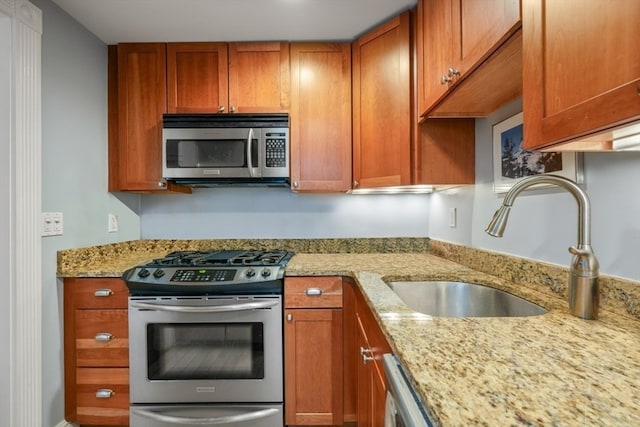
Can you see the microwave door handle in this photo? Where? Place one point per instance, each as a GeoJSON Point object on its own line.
{"type": "Point", "coordinates": [203, 309]}
{"type": "Point", "coordinates": [249, 152]}
{"type": "Point", "coordinates": [231, 419]}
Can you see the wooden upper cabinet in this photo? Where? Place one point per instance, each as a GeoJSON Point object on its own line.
{"type": "Point", "coordinates": [581, 69]}
{"type": "Point", "coordinates": [459, 39]}
{"type": "Point", "coordinates": [382, 105]}
{"type": "Point", "coordinates": [259, 77]}
{"type": "Point", "coordinates": [320, 117]}
{"type": "Point", "coordinates": [137, 100]}
{"type": "Point", "coordinates": [482, 24]}
{"type": "Point", "coordinates": [228, 78]}
{"type": "Point", "coordinates": [197, 79]}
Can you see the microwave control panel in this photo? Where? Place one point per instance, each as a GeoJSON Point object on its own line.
{"type": "Point", "coordinates": [276, 150]}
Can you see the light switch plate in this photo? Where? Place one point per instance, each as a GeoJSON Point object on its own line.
{"type": "Point", "coordinates": [52, 224]}
{"type": "Point", "coordinates": [452, 217]}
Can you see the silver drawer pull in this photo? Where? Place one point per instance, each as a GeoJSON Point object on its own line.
{"type": "Point", "coordinates": [103, 293]}
{"type": "Point", "coordinates": [104, 336]}
{"type": "Point", "coordinates": [313, 292]}
{"type": "Point", "coordinates": [104, 393]}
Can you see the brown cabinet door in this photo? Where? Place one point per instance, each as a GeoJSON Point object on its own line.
{"type": "Point", "coordinates": [581, 69]}
{"type": "Point", "coordinates": [197, 77]}
{"type": "Point", "coordinates": [454, 39]}
{"type": "Point", "coordinates": [382, 105]}
{"type": "Point", "coordinates": [320, 118]}
{"type": "Point", "coordinates": [137, 100]}
{"type": "Point", "coordinates": [436, 41]}
{"type": "Point", "coordinates": [141, 103]}
{"type": "Point", "coordinates": [259, 77]}
{"type": "Point", "coordinates": [482, 25]}
{"type": "Point", "coordinates": [313, 367]}
{"type": "Point", "coordinates": [372, 382]}
{"type": "Point", "coordinates": [365, 386]}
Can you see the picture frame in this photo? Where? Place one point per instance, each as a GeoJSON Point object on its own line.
{"type": "Point", "coordinates": [512, 163]}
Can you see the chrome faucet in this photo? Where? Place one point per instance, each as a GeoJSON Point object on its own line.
{"type": "Point", "coordinates": [583, 272]}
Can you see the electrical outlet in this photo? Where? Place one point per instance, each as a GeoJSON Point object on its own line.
{"type": "Point", "coordinates": [112, 226]}
{"type": "Point", "coordinates": [52, 224]}
{"type": "Point", "coordinates": [452, 217]}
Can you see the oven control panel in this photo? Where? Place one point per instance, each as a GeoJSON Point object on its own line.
{"type": "Point", "coordinates": [186, 276]}
{"type": "Point", "coordinates": [203, 275]}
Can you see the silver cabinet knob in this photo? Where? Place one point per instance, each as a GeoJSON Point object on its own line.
{"type": "Point", "coordinates": [103, 293]}
{"type": "Point", "coordinates": [445, 79]}
{"type": "Point", "coordinates": [289, 317]}
{"type": "Point", "coordinates": [232, 109]}
{"type": "Point", "coordinates": [104, 337]}
{"type": "Point", "coordinates": [364, 352]}
{"type": "Point", "coordinates": [295, 184]}
{"type": "Point", "coordinates": [104, 393]}
{"type": "Point", "coordinates": [162, 184]}
{"type": "Point", "coordinates": [221, 109]}
{"type": "Point", "coordinates": [453, 72]}
{"type": "Point", "coordinates": [313, 292]}
{"type": "Point", "coordinates": [355, 184]}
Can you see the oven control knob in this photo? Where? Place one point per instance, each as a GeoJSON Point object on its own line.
{"type": "Point", "coordinates": [143, 272]}
{"type": "Point", "coordinates": [250, 272]}
{"type": "Point", "coordinates": [158, 273]}
{"type": "Point", "coordinates": [266, 272]}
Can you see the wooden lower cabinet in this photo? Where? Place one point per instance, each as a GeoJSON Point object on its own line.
{"type": "Point", "coordinates": [313, 354]}
{"type": "Point", "coordinates": [96, 351]}
{"type": "Point", "coordinates": [372, 382]}
{"type": "Point", "coordinates": [333, 355]}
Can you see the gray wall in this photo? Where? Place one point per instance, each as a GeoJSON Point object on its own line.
{"type": "Point", "coordinates": [74, 173]}
{"type": "Point", "coordinates": [543, 223]}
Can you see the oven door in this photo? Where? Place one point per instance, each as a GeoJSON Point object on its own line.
{"type": "Point", "coordinates": [205, 349]}
{"type": "Point", "coordinates": [212, 153]}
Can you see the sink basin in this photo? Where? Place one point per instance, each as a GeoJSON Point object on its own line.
{"type": "Point", "coordinates": [460, 299]}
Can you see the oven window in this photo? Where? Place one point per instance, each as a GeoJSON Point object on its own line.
{"type": "Point", "coordinates": [179, 351]}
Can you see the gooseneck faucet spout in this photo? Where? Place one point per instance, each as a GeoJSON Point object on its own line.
{"type": "Point", "coordinates": [583, 271]}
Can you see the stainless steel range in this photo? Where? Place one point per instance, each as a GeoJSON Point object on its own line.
{"type": "Point", "coordinates": [205, 339]}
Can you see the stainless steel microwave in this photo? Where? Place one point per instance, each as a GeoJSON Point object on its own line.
{"type": "Point", "coordinates": [203, 150]}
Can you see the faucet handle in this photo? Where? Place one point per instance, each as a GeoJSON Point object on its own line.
{"type": "Point", "coordinates": [584, 261]}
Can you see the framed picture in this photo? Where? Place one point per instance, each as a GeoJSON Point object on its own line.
{"type": "Point", "coordinates": [511, 162]}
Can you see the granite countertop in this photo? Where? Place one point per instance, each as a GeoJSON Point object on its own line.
{"type": "Point", "coordinates": [548, 370]}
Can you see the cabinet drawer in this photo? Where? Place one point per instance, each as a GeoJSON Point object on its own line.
{"type": "Point", "coordinates": [100, 293]}
{"type": "Point", "coordinates": [102, 396]}
{"type": "Point", "coordinates": [313, 292]}
{"type": "Point", "coordinates": [102, 338]}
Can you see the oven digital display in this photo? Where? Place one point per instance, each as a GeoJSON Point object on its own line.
{"type": "Point", "coordinates": [203, 275]}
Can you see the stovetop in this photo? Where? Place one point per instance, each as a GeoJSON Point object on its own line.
{"type": "Point", "coordinates": [210, 272]}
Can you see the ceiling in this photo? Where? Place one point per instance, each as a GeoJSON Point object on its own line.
{"type": "Point", "coordinates": [118, 21]}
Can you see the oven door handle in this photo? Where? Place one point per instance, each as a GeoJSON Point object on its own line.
{"type": "Point", "coordinates": [203, 309]}
{"type": "Point", "coordinates": [231, 419]}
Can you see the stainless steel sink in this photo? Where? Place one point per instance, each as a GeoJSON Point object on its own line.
{"type": "Point", "coordinates": [460, 299]}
